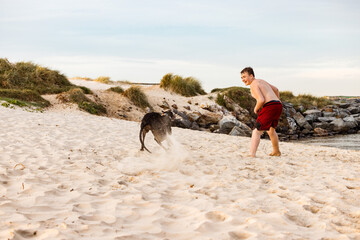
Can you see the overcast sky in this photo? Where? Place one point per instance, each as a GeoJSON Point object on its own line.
{"type": "Point", "coordinates": [307, 46]}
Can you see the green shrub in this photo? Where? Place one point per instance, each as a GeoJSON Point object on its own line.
{"type": "Point", "coordinates": [26, 75]}
{"type": "Point", "coordinates": [137, 96]}
{"type": "Point", "coordinates": [86, 90]}
{"type": "Point", "coordinates": [239, 95]}
{"type": "Point", "coordinates": [76, 95]}
{"type": "Point", "coordinates": [103, 79]}
{"type": "Point", "coordinates": [29, 96]}
{"type": "Point", "coordinates": [184, 86]}
{"type": "Point", "coordinates": [305, 100]}
{"type": "Point", "coordinates": [116, 89]}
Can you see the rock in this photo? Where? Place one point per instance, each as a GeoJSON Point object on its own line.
{"type": "Point", "coordinates": [288, 105]}
{"type": "Point", "coordinates": [350, 122]}
{"type": "Point", "coordinates": [174, 106]}
{"type": "Point", "coordinates": [323, 125]}
{"type": "Point", "coordinates": [329, 108]}
{"type": "Point", "coordinates": [240, 131]}
{"type": "Point", "coordinates": [357, 120]}
{"type": "Point", "coordinates": [164, 105]}
{"type": "Point", "coordinates": [339, 125]}
{"type": "Point", "coordinates": [181, 119]}
{"type": "Point", "coordinates": [189, 102]}
{"type": "Point", "coordinates": [326, 119]}
{"type": "Point", "coordinates": [329, 114]}
{"type": "Point", "coordinates": [195, 126]}
{"type": "Point", "coordinates": [193, 116]}
{"type": "Point", "coordinates": [214, 127]}
{"type": "Point", "coordinates": [292, 123]}
{"type": "Point", "coordinates": [301, 121]}
{"type": "Point", "coordinates": [344, 105]}
{"type": "Point", "coordinates": [211, 108]}
{"type": "Point", "coordinates": [353, 110]}
{"type": "Point", "coordinates": [182, 123]}
{"type": "Point", "coordinates": [294, 137]}
{"type": "Point", "coordinates": [311, 118]}
{"type": "Point", "coordinates": [319, 132]}
{"type": "Point", "coordinates": [227, 123]}
{"type": "Point", "coordinates": [343, 113]}
{"type": "Point", "coordinates": [209, 118]}
{"type": "Point", "coordinates": [187, 108]}
{"type": "Point", "coordinates": [306, 131]}
{"type": "Point", "coordinates": [315, 112]}
{"type": "Point", "coordinates": [289, 109]}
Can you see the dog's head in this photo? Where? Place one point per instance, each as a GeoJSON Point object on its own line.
{"type": "Point", "coordinates": [168, 113]}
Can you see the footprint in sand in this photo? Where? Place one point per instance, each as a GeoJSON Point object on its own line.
{"type": "Point", "coordinates": [217, 216]}
{"type": "Point", "coordinates": [240, 235]}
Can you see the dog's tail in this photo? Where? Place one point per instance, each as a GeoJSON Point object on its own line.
{"type": "Point", "coordinates": [142, 140]}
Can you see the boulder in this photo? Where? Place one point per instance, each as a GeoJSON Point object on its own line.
{"type": "Point", "coordinates": [329, 108]}
{"type": "Point", "coordinates": [329, 114]}
{"type": "Point", "coordinates": [195, 126]}
{"type": "Point", "coordinates": [350, 122]}
{"type": "Point", "coordinates": [343, 105]}
{"type": "Point", "coordinates": [181, 122]}
{"type": "Point", "coordinates": [357, 120]}
{"type": "Point", "coordinates": [241, 130]}
{"type": "Point", "coordinates": [209, 118]}
{"type": "Point", "coordinates": [311, 118]}
{"type": "Point", "coordinates": [301, 121]}
{"type": "Point", "coordinates": [319, 132]}
{"type": "Point", "coordinates": [323, 125]}
{"type": "Point", "coordinates": [326, 119]}
{"type": "Point", "coordinates": [193, 116]}
{"type": "Point", "coordinates": [315, 112]}
{"type": "Point", "coordinates": [181, 119]}
{"type": "Point", "coordinates": [227, 123]}
{"type": "Point", "coordinates": [342, 113]}
{"type": "Point", "coordinates": [289, 109]}
{"type": "Point", "coordinates": [339, 125]}
{"type": "Point", "coordinates": [292, 123]}
{"type": "Point", "coordinates": [353, 109]}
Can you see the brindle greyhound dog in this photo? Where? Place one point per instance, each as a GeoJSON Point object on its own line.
{"type": "Point", "coordinates": [159, 124]}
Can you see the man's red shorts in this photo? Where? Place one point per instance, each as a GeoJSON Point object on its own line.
{"type": "Point", "coordinates": [269, 115]}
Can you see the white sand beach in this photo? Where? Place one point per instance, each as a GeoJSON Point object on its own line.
{"type": "Point", "coordinates": [71, 175]}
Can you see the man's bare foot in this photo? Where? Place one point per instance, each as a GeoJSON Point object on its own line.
{"type": "Point", "coordinates": [252, 156]}
{"type": "Point", "coordinates": [275, 154]}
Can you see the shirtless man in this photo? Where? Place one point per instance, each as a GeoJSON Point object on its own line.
{"type": "Point", "coordinates": [268, 107]}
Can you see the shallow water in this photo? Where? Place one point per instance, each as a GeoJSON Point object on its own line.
{"type": "Point", "coordinates": [351, 141]}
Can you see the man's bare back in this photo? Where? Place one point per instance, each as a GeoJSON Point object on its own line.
{"type": "Point", "coordinates": [268, 91]}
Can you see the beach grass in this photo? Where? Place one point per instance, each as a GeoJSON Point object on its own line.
{"type": "Point", "coordinates": [116, 89]}
{"type": "Point", "coordinates": [103, 79]}
{"type": "Point", "coordinates": [305, 100]}
{"type": "Point", "coordinates": [239, 95]}
{"type": "Point", "coordinates": [76, 95]}
{"type": "Point", "coordinates": [187, 87]}
{"type": "Point", "coordinates": [137, 96]}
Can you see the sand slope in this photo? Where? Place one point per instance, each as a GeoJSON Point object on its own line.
{"type": "Point", "coordinates": [71, 175]}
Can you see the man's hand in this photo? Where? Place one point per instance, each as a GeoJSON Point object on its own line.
{"type": "Point", "coordinates": [256, 110]}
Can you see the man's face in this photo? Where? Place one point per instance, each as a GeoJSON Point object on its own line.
{"type": "Point", "coordinates": [246, 78]}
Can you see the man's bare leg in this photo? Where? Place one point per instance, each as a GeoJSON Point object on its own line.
{"type": "Point", "coordinates": [275, 142]}
{"type": "Point", "coordinates": [255, 140]}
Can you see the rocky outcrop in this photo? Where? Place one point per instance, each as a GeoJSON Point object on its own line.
{"type": "Point", "coordinates": [343, 117]}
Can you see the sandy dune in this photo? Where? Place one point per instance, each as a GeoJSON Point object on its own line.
{"type": "Point", "coordinates": [71, 175]}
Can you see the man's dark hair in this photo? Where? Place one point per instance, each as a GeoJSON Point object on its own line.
{"type": "Point", "coordinates": [249, 70]}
